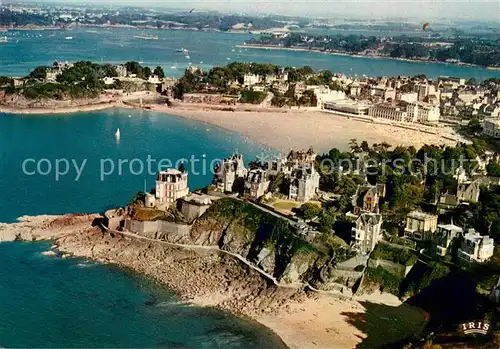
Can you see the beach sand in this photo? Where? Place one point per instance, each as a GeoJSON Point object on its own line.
{"type": "Point", "coordinates": [302, 129]}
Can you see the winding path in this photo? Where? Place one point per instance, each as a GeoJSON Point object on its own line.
{"type": "Point", "coordinates": [209, 248]}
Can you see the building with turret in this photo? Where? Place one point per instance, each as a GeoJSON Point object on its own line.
{"type": "Point", "coordinates": [171, 185]}
{"type": "Point", "coordinates": [256, 183]}
{"type": "Point", "coordinates": [304, 184]}
{"type": "Point", "coordinates": [367, 233]}
{"type": "Point", "coordinates": [227, 171]}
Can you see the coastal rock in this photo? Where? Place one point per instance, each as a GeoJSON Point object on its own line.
{"type": "Point", "coordinates": [266, 260]}
{"type": "Point", "coordinates": [8, 236]}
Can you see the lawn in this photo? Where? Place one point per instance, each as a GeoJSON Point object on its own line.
{"type": "Point", "coordinates": [285, 205]}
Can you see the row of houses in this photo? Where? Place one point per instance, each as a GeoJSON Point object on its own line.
{"type": "Point", "coordinates": [297, 169]}
{"type": "Point", "coordinates": [474, 247]}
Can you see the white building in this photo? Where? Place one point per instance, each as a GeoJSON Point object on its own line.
{"type": "Point", "coordinates": [108, 81]}
{"type": "Point", "coordinates": [251, 79]}
{"type": "Point", "coordinates": [389, 112]}
{"type": "Point", "coordinates": [154, 79]}
{"type": "Point", "coordinates": [121, 71]}
{"type": "Point", "coordinates": [227, 171]}
{"type": "Point", "coordinates": [425, 90]}
{"type": "Point", "coordinates": [257, 183]}
{"type": "Point", "coordinates": [324, 94]}
{"type": "Point", "coordinates": [171, 185]}
{"type": "Point", "coordinates": [420, 225]}
{"type": "Point", "coordinates": [491, 127]}
{"type": "Point", "coordinates": [476, 248]}
{"type": "Point", "coordinates": [451, 82]}
{"type": "Point", "coordinates": [409, 97]}
{"type": "Point", "coordinates": [423, 112]}
{"type": "Point", "coordinates": [304, 184]}
{"type": "Point", "coordinates": [367, 232]}
{"type": "Point", "coordinates": [446, 233]}
{"type": "Point", "coordinates": [347, 106]}
{"type": "Point", "coordinates": [383, 92]}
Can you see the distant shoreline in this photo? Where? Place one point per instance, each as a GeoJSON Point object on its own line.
{"type": "Point", "coordinates": [57, 110]}
{"type": "Point", "coordinates": [355, 55]}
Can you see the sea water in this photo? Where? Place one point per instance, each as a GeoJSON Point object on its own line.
{"type": "Point", "coordinates": [29, 49]}
{"type": "Point", "coordinates": [48, 301]}
{"type": "Point", "coordinates": [87, 140]}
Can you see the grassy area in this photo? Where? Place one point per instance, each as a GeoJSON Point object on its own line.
{"type": "Point", "coordinates": [401, 256]}
{"type": "Point", "coordinates": [379, 276]}
{"type": "Point", "coordinates": [285, 205]}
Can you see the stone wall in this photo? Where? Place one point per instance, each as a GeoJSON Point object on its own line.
{"type": "Point", "coordinates": [168, 231]}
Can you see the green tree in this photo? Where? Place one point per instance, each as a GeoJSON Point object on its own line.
{"type": "Point", "coordinates": [146, 72]}
{"type": "Point", "coordinates": [309, 210]}
{"type": "Point", "coordinates": [39, 73]}
{"type": "Point", "coordinates": [493, 169]}
{"type": "Point", "coordinates": [159, 72]}
{"type": "Point", "coordinates": [365, 147]}
{"type": "Point", "coordinates": [475, 125]}
{"type": "Point", "coordinates": [327, 220]}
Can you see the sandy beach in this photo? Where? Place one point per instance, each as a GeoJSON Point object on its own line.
{"type": "Point", "coordinates": [302, 129]}
{"type": "Point", "coordinates": [276, 128]}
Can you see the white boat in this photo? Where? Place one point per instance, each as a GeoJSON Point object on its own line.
{"type": "Point", "coordinates": [68, 38]}
{"type": "Point", "coordinates": [187, 57]}
{"type": "Point", "coordinates": [146, 37]}
{"type": "Point", "coordinates": [3, 39]}
{"type": "Point", "coordinates": [117, 133]}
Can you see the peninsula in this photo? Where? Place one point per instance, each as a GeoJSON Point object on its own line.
{"type": "Point", "coordinates": [432, 48]}
{"type": "Point", "coordinates": [307, 244]}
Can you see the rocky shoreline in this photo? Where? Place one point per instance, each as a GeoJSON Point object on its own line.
{"type": "Point", "coordinates": [205, 278]}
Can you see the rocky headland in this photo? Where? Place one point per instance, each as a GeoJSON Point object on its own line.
{"type": "Point", "coordinates": [207, 273]}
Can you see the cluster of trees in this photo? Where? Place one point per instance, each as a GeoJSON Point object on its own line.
{"type": "Point", "coordinates": [141, 18]}
{"type": "Point", "coordinates": [143, 72]}
{"type": "Point", "coordinates": [252, 97]}
{"type": "Point", "coordinates": [480, 51]}
{"type": "Point", "coordinates": [10, 18]}
{"type": "Point", "coordinates": [83, 80]}
{"type": "Point", "coordinates": [412, 177]}
{"type": "Point", "coordinates": [346, 43]}
{"type": "Point", "coordinates": [221, 79]}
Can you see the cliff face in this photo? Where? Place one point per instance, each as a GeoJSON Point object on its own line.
{"type": "Point", "coordinates": [263, 239]}
{"type": "Point", "coordinates": [212, 277]}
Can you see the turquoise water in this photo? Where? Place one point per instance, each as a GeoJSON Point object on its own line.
{"type": "Point", "coordinates": [90, 136]}
{"type": "Point", "coordinates": [49, 302]}
{"type": "Point", "coordinates": [54, 302]}
{"type": "Point", "coordinates": [29, 49]}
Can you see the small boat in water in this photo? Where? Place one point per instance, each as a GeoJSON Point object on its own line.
{"type": "Point", "coordinates": [117, 133]}
{"type": "Point", "coordinates": [3, 39]}
{"type": "Point", "coordinates": [68, 38]}
{"type": "Point", "coordinates": [146, 37]}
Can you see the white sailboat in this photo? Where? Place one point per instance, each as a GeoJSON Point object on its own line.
{"type": "Point", "coordinates": [117, 134]}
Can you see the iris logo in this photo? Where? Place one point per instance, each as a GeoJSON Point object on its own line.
{"type": "Point", "coordinates": [475, 327]}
